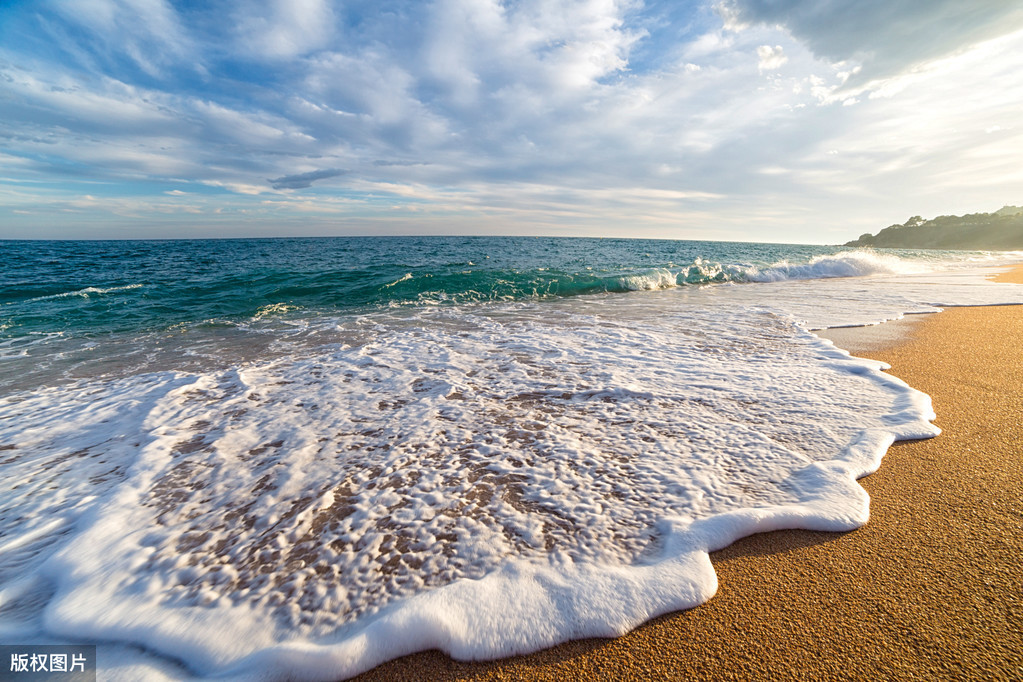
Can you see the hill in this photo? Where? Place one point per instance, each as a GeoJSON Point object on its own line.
{"type": "Point", "coordinates": [998, 231]}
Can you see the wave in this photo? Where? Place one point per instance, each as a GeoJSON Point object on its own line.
{"type": "Point", "coordinates": [274, 309]}
{"type": "Point", "coordinates": [483, 285]}
{"type": "Point", "coordinates": [657, 278]}
{"type": "Point", "coordinates": [844, 264]}
{"type": "Point", "coordinates": [404, 278]}
{"type": "Point", "coordinates": [86, 292]}
{"type": "Point", "coordinates": [540, 282]}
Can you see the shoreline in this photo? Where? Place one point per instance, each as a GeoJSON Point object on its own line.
{"type": "Point", "coordinates": [931, 587]}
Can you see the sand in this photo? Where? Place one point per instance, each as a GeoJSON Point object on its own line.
{"type": "Point", "coordinates": [931, 588]}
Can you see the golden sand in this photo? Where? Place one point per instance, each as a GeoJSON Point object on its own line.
{"type": "Point", "coordinates": [931, 588]}
{"type": "Point", "coordinates": [1014, 276]}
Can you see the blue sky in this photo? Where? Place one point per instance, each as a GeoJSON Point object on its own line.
{"type": "Point", "coordinates": [763, 120]}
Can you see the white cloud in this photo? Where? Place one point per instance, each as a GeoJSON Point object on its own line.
{"type": "Point", "coordinates": [771, 58]}
{"type": "Point", "coordinates": [237, 187]}
{"type": "Point", "coordinates": [283, 29]}
{"type": "Point", "coordinates": [63, 100]}
{"type": "Point", "coordinates": [147, 31]}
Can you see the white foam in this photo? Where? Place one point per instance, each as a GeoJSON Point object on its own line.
{"type": "Point", "coordinates": [274, 309]}
{"type": "Point", "coordinates": [42, 528]}
{"type": "Point", "coordinates": [404, 278]}
{"type": "Point", "coordinates": [857, 263]}
{"type": "Point", "coordinates": [86, 292]}
{"type": "Point", "coordinates": [272, 507]}
{"type": "Point", "coordinates": [656, 278]}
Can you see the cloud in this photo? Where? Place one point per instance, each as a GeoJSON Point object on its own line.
{"type": "Point", "coordinates": [601, 116]}
{"type": "Point", "coordinates": [147, 32]}
{"type": "Point", "coordinates": [771, 57]}
{"type": "Point", "coordinates": [303, 180]}
{"type": "Point", "coordinates": [406, 164]}
{"type": "Point", "coordinates": [236, 187]}
{"type": "Point", "coordinates": [283, 29]}
{"type": "Point", "coordinates": [886, 36]}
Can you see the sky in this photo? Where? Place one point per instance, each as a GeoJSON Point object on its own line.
{"type": "Point", "coordinates": [751, 120]}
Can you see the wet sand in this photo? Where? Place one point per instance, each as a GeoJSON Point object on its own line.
{"type": "Point", "coordinates": [931, 588]}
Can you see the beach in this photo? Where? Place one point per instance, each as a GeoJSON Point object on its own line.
{"type": "Point", "coordinates": [930, 588]}
{"type": "Point", "coordinates": [484, 340]}
{"type": "Point", "coordinates": [322, 469]}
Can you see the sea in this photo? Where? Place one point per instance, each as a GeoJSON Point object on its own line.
{"type": "Point", "coordinates": [299, 458]}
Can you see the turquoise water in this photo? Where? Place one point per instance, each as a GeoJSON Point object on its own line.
{"type": "Point", "coordinates": [94, 287]}
{"type": "Point", "coordinates": [77, 309]}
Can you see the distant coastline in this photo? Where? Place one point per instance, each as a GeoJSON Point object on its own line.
{"type": "Point", "coordinates": [998, 231]}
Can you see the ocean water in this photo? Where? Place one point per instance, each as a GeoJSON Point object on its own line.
{"type": "Point", "coordinates": [303, 457]}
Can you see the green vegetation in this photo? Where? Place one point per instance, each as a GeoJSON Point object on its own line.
{"type": "Point", "coordinates": [1001, 230]}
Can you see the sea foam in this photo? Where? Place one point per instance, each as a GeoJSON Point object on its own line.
{"type": "Point", "coordinates": [485, 481]}
{"type": "Point", "coordinates": [859, 263]}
